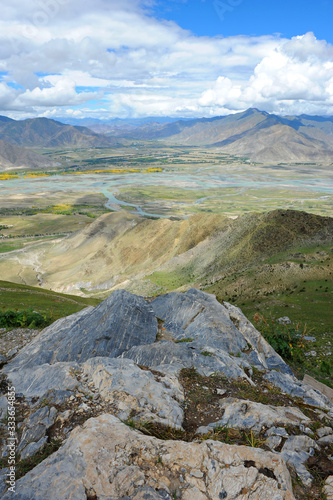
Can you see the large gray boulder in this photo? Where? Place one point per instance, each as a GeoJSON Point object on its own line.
{"type": "Point", "coordinates": [120, 322]}
{"type": "Point", "coordinates": [200, 316]}
{"type": "Point", "coordinates": [214, 326]}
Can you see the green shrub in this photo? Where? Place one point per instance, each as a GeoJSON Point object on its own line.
{"type": "Point", "coordinates": [24, 319]}
{"type": "Point", "coordinates": [326, 367]}
{"type": "Point", "coordinates": [286, 340]}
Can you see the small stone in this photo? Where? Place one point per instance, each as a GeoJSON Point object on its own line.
{"type": "Point", "coordinates": [328, 488]}
{"type": "Point", "coordinates": [326, 440]}
{"type": "Point", "coordinates": [12, 352]}
{"type": "Point", "coordinates": [64, 416]}
{"type": "Point", "coordinates": [324, 431]}
{"type": "Point", "coordinates": [221, 392]}
{"type": "Point", "coordinates": [277, 431]}
{"type": "Point", "coordinates": [311, 353]}
{"type": "Point", "coordinates": [321, 414]}
{"type": "Point", "coordinates": [84, 407]}
{"type": "Point", "coordinates": [299, 444]}
{"type": "Point", "coordinates": [284, 320]}
{"type": "Point", "coordinates": [196, 473]}
{"type": "Point", "coordinates": [305, 429]}
{"type": "Point", "coordinates": [273, 442]}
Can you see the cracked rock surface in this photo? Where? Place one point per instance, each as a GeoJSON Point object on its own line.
{"type": "Point", "coordinates": [109, 460]}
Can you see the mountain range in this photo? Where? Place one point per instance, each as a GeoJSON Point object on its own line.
{"type": "Point", "coordinates": [255, 134]}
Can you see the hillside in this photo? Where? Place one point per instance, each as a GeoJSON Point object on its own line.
{"type": "Point", "coordinates": [17, 157]}
{"type": "Point", "coordinates": [255, 256]}
{"type": "Point", "coordinates": [43, 132]}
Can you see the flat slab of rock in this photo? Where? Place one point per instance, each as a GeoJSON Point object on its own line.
{"type": "Point", "coordinates": [106, 459]}
{"type": "Point", "coordinates": [244, 414]}
{"type": "Point", "coordinates": [35, 382]}
{"type": "Point", "coordinates": [296, 450]}
{"type": "Point", "coordinates": [324, 389]}
{"type": "Point", "coordinates": [184, 356]}
{"type": "Point", "coordinates": [290, 385]}
{"type": "Point", "coordinates": [34, 431]}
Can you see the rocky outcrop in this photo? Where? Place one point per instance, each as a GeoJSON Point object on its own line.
{"type": "Point", "coordinates": [185, 355]}
{"type": "Point", "coordinates": [81, 379]}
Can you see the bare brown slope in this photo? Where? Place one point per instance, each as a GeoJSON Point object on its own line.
{"type": "Point", "coordinates": [121, 246]}
{"type": "Point", "coordinates": [279, 143]}
{"type": "Point", "coordinates": [16, 157]}
{"type": "Point", "coordinates": [44, 132]}
{"type": "Point", "coordinates": [207, 132]}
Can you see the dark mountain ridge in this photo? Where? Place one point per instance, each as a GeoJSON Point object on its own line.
{"type": "Point", "coordinates": [43, 132]}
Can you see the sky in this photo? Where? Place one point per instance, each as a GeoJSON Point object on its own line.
{"type": "Point", "coordinates": [177, 58]}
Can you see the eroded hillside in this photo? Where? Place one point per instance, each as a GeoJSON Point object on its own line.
{"type": "Point", "coordinates": [155, 256]}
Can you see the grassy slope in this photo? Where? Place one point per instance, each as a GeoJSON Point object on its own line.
{"type": "Point", "coordinates": [14, 296]}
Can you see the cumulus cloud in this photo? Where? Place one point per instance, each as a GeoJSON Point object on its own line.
{"type": "Point", "coordinates": [134, 64]}
{"type": "Point", "coordinates": [295, 76]}
{"type": "Point", "coordinates": [63, 93]}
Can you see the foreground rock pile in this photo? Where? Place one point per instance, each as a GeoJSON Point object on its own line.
{"type": "Point", "coordinates": [103, 383]}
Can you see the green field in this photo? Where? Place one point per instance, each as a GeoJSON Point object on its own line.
{"type": "Point", "coordinates": [230, 200]}
{"type": "Point", "coordinates": [15, 297]}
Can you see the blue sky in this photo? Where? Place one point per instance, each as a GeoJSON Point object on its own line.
{"type": "Point", "coordinates": [250, 17]}
{"type": "Point", "coordinates": [179, 58]}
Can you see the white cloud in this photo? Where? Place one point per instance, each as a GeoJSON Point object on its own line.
{"type": "Point", "coordinates": [63, 93]}
{"type": "Point", "coordinates": [49, 48]}
{"type": "Point", "coordinates": [7, 94]}
{"type": "Point", "coordinates": [284, 81]}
